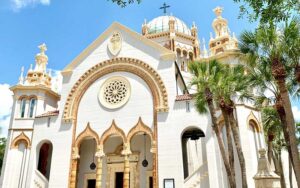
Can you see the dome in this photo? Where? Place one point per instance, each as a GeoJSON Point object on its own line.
{"type": "Point", "coordinates": [161, 24]}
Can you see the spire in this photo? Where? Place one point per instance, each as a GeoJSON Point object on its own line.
{"type": "Point", "coordinates": [220, 24]}
{"type": "Point", "coordinates": [41, 59]}
{"type": "Point", "coordinates": [222, 40]}
{"type": "Point", "coordinates": [145, 28]}
{"type": "Point", "coordinates": [21, 78]}
{"type": "Point", "coordinates": [205, 54]}
{"type": "Point", "coordinates": [39, 75]}
{"type": "Point", "coordinates": [218, 11]}
{"type": "Point", "coordinates": [194, 30]}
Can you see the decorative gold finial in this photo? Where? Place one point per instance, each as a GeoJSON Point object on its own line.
{"type": "Point", "coordinates": [218, 11]}
{"type": "Point", "coordinates": [43, 48]}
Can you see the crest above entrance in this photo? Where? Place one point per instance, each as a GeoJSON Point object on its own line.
{"type": "Point", "coordinates": [115, 43]}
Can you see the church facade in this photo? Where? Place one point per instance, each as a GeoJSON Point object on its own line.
{"type": "Point", "coordinates": [125, 116]}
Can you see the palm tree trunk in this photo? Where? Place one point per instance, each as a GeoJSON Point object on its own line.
{"type": "Point", "coordinates": [229, 141]}
{"type": "Point", "coordinates": [209, 100]}
{"type": "Point", "coordinates": [237, 141]}
{"type": "Point", "coordinates": [290, 174]}
{"type": "Point", "coordinates": [270, 150]}
{"type": "Point", "coordinates": [279, 74]}
{"type": "Point", "coordinates": [297, 73]}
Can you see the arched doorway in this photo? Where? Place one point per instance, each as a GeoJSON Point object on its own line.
{"type": "Point", "coordinates": [194, 155]}
{"type": "Point", "coordinates": [140, 145]}
{"type": "Point", "coordinates": [86, 177]}
{"type": "Point", "coordinates": [44, 159]}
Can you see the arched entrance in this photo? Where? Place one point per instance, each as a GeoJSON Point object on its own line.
{"type": "Point", "coordinates": [44, 159]}
{"type": "Point", "coordinates": [160, 104]}
{"type": "Point", "coordinates": [194, 156]}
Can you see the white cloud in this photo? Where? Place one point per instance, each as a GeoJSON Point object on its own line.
{"type": "Point", "coordinates": [296, 112]}
{"type": "Point", "coordinates": [56, 80]}
{"type": "Point", "coordinates": [6, 102]}
{"type": "Point", "coordinates": [19, 4]}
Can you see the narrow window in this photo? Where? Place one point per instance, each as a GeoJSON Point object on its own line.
{"type": "Point", "coordinates": [187, 106]}
{"type": "Point", "coordinates": [32, 107]}
{"type": "Point", "coordinates": [22, 109]}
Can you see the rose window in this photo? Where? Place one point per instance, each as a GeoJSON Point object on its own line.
{"type": "Point", "coordinates": [114, 92]}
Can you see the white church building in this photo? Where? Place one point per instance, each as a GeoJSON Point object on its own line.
{"type": "Point", "coordinates": [125, 115]}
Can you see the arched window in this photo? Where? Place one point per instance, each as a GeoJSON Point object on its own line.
{"type": "Point", "coordinates": [256, 135]}
{"type": "Point", "coordinates": [22, 108]}
{"type": "Point", "coordinates": [182, 66]}
{"type": "Point", "coordinates": [193, 150]}
{"type": "Point", "coordinates": [44, 160]}
{"type": "Point", "coordinates": [32, 105]}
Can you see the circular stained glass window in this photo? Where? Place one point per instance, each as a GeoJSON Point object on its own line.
{"type": "Point", "coordinates": [114, 92]}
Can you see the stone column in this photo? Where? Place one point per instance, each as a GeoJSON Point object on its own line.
{"type": "Point", "coordinates": [75, 157]}
{"type": "Point", "coordinates": [264, 177]}
{"type": "Point", "coordinates": [126, 152]}
{"type": "Point", "coordinates": [153, 150]}
{"type": "Point", "coordinates": [99, 154]}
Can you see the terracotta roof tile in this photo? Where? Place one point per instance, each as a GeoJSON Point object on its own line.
{"type": "Point", "coordinates": [184, 97]}
{"type": "Point", "coordinates": [49, 113]}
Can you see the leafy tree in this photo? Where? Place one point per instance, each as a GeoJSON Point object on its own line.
{"type": "Point", "coordinates": [274, 52]}
{"type": "Point", "coordinates": [268, 11]}
{"type": "Point", "coordinates": [124, 3]}
{"type": "Point", "coordinates": [2, 150]}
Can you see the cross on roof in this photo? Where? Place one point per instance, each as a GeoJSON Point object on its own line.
{"type": "Point", "coordinates": [165, 6]}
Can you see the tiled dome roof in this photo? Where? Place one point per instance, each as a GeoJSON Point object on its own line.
{"type": "Point", "coordinates": [161, 24]}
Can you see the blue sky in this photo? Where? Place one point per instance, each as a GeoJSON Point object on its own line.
{"type": "Point", "coordinates": [68, 26]}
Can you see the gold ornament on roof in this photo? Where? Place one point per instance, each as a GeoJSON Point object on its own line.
{"type": "Point", "coordinates": [218, 11]}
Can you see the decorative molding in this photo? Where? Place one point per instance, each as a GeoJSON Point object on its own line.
{"type": "Point", "coordinates": [137, 67]}
{"type": "Point", "coordinates": [140, 127]}
{"type": "Point", "coordinates": [257, 125]}
{"type": "Point", "coordinates": [21, 138]}
{"type": "Point", "coordinates": [88, 132]}
{"type": "Point", "coordinates": [112, 130]}
{"type": "Point", "coordinates": [41, 88]}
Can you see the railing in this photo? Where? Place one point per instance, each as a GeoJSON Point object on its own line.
{"type": "Point", "coordinates": [195, 179]}
{"type": "Point", "coordinates": [40, 181]}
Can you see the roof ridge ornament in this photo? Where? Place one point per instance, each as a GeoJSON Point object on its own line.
{"type": "Point", "coordinates": [218, 11]}
{"type": "Point", "coordinates": [165, 6]}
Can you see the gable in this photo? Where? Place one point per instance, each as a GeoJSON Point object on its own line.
{"type": "Point", "coordinates": [133, 38]}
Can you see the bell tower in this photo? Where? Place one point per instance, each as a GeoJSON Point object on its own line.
{"type": "Point", "coordinates": [33, 94]}
{"type": "Point", "coordinates": [222, 40]}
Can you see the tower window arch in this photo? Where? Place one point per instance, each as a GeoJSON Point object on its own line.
{"type": "Point", "coordinates": [32, 104]}
{"type": "Point", "coordinates": [23, 107]}
{"type": "Point", "coordinates": [254, 128]}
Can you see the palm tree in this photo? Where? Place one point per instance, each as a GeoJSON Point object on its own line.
{"type": "Point", "coordinates": [278, 49]}
{"type": "Point", "coordinates": [206, 75]}
{"type": "Point", "coordinates": [227, 91]}
{"type": "Point", "coordinates": [274, 137]}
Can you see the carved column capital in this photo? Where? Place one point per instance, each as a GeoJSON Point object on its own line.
{"type": "Point", "coordinates": [75, 153]}
{"type": "Point", "coordinates": [126, 149]}
{"type": "Point", "coordinates": [100, 152]}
